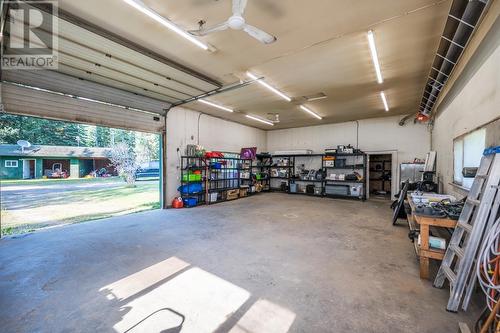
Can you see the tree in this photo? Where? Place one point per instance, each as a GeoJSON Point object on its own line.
{"type": "Point", "coordinates": [149, 144]}
{"type": "Point", "coordinates": [102, 137]}
{"type": "Point", "coordinates": [9, 128]}
{"type": "Point", "coordinates": [126, 161]}
{"type": "Point", "coordinates": [128, 137]}
{"type": "Point", "coordinates": [40, 131]}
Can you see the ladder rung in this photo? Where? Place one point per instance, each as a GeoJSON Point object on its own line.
{"type": "Point", "coordinates": [473, 201]}
{"type": "Point", "coordinates": [452, 277]}
{"type": "Point", "coordinates": [458, 250]}
{"type": "Point", "coordinates": [465, 226]}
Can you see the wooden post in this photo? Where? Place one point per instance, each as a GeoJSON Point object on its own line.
{"type": "Point", "coordinates": [424, 245]}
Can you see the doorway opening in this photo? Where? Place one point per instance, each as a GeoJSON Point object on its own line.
{"type": "Point", "coordinates": [73, 173]}
{"type": "Point", "coordinates": [381, 175]}
{"type": "Point", "coordinates": [29, 167]}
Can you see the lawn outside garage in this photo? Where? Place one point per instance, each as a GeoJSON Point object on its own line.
{"type": "Point", "coordinates": [28, 205]}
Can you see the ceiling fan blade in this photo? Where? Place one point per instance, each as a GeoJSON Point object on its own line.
{"type": "Point", "coordinates": [258, 34]}
{"type": "Point", "coordinates": [203, 32]}
{"type": "Point", "coordinates": [239, 7]}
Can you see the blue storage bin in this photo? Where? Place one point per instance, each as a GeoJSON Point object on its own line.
{"type": "Point", "coordinates": [190, 202]}
{"type": "Point", "coordinates": [190, 188]}
{"type": "Point", "coordinates": [216, 165]}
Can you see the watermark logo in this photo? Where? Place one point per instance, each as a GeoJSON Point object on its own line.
{"type": "Point", "coordinates": [31, 35]}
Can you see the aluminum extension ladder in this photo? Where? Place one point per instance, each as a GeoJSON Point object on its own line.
{"type": "Point", "coordinates": [462, 250]}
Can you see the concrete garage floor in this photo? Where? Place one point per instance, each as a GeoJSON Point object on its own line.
{"type": "Point", "coordinates": [268, 263]}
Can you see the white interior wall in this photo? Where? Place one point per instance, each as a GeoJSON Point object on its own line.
{"type": "Point", "coordinates": [183, 128]}
{"type": "Point", "coordinates": [377, 135]}
{"type": "Point", "coordinates": [475, 102]}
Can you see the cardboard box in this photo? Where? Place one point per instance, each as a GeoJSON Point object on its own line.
{"type": "Point", "coordinates": [243, 192]}
{"type": "Point", "coordinates": [232, 194]}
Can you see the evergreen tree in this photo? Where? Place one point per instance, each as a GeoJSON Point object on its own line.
{"type": "Point", "coordinates": [102, 137]}
{"type": "Point", "coordinates": [59, 133]}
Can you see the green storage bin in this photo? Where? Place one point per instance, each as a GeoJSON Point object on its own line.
{"type": "Point", "coordinates": [191, 178]}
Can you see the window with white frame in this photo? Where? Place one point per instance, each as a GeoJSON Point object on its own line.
{"type": "Point", "coordinates": [11, 164]}
{"type": "Point", "coordinates": [467, 152]}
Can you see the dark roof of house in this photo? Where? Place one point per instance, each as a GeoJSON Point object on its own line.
{"type": "Point", "coordinates": [55, 151]}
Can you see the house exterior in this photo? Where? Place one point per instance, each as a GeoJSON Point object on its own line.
{"type": "Point", "coordinates": [39, 161]}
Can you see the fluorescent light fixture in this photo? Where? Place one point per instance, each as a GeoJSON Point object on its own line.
{"type": "Point", "coordinates": [373, 50]}
{"type": "Point", "coordinates": [384, 100]}
{"type": "Point", "coordinates": [311, 112]}
{"type": "Point", "coordinates": [316, 98]}
{"type": "Point", "coordinates": [274, 90]}
{"type": "Point", "coordinates": [216, 105]}
{"type": "Point", "coordinates": [260, 120]}
{"type": "Point", "coordinates": [140, 6]}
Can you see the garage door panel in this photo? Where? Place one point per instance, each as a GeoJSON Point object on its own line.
{"type": "Point", "coordinates": [119, 65]}
{"type": "Point", "coordinates": [75, 53]}
{"type": "Point", "coordinates": [65, 59]}
{"type": "Point", "coordinates": [67, 84]}
{"type": "Point", "coordinates": [94, 41]}
{"type": "Point", "coordinates": [94, 77]}
{"type": "Point", "coordinates": [30, 102]}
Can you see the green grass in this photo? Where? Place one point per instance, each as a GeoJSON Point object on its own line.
{"type": "Point", "coordinates": [80, 206]}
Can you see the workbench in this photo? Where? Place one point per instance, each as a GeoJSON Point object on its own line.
{"type": "Point", "coordinates": [424, 251]}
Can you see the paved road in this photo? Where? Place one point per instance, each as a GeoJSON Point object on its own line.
{"type": "Point", "coordinates": [25, 196]}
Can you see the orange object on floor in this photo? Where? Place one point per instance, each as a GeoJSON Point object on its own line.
{"type": "Point", "coordinates": [177, 203]}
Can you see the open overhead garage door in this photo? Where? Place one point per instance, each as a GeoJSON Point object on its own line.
{"type": "Point", "coordinates": [39, 103]}
{"type": "Point", "coordinates": [53, 95]}
{"type": "Point", "coordinates": [101, 79]}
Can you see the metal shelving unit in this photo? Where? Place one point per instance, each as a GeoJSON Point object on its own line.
{"type": "Point", "coordinates": [222, 174]}
{"type": "Point", "coordinates": [221, 179]}
{"type": "Point", "coordinates": [381, 176]}
{"type": "Point", "coordinates": [318, 190]}
{"type": "Point", "coordinates": [282, 167]}
{"type": "Point", "coordinates": [354, 166]}
{"type": "Point", "coordinates": [189, 164]}
{"type": "Point", "coordinates": [246, 174]}
{"type": "Point", "coordinates": [263, 168]}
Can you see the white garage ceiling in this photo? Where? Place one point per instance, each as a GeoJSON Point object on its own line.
{"type": "Point", "coordinates": [321, 47]}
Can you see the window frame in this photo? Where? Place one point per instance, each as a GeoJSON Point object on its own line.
{"type": "Point", "coordinates": [462, 139]}
{"type": "Point", "coordinates": [11, 163]}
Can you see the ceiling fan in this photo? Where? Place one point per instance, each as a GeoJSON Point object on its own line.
{"type": "Point", "coordinates": [237, 22]}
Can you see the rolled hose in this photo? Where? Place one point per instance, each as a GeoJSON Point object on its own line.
{"type": "Point", "coordinates": [488, 266]}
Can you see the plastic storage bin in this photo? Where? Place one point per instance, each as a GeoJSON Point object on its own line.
{"type": "Point", "coordinates": [216, 165]}
{"type": "Point", "coordinates": [337, 189]}
{"type": "Point", "coordinates": [191, 178]}
{"type": "Point", "coordinates": [190, 202]}
{"type": "Point", "coordinates": [190, 188]}
{"type": "Point", "coordinates": [213, 196]}
{"type": "Point", "coordinates": [356, 190]}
